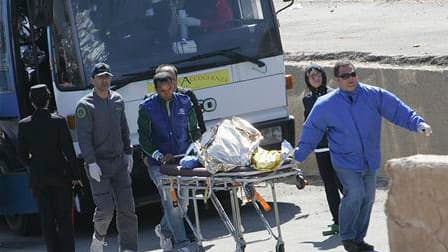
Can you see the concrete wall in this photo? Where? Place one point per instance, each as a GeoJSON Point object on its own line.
{"type": "Point", "coordinates": [423, 88]}
{"type": "Point", "coordinates": [416, 204]}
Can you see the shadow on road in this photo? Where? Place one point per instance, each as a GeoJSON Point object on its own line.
{"type": "Point", "coordinates": [212, 227]}
{"type": "Point", "coordinates": [329, 243]}
{"type": "Point", "coordinates": [20, 243]}
{"type": "Point", "coordinates": [11, 241]}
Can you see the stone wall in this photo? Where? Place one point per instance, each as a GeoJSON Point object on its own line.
{"type": "Point", "coordinates": [416, 208]}
{"type": "Point", "coordinates": [423, 88]}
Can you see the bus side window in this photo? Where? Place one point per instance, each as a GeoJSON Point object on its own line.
{"type": "Point", "coordinates": [68, 76]}
{"type": "Point", "coordinates": [64, 76]}
{"type": "Point", "coordinates": [251, 10]}
{"type": "Point", "coordinates": [66, 69]}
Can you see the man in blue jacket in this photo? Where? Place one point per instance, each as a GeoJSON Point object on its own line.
{"type": "Point", "coordinates": [167, 125]}
{"type": "Point", "coordinates": [351, 116]}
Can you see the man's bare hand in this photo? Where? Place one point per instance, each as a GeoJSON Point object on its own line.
{"type": "Point", "coordinates": [168, 159]}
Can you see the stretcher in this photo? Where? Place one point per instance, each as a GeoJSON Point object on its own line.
{"type": "Point", "coordinates": [202, 185]}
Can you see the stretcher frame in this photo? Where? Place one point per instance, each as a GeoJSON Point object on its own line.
{"type": "Point", "coordinates": [231, 182]}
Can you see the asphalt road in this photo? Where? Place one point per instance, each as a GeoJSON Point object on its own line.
{"type": "Point", "coordinates": [303, 214]}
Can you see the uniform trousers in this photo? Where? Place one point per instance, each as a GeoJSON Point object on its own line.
{"type": "Point", "coordinates": [55, 206]}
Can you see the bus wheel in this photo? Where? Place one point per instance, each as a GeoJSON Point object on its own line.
{"type": "Point", "coordinates": [23, 224]}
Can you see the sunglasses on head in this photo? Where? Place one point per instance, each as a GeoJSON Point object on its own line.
{"type": "Point", "coordinates": [345, 76]}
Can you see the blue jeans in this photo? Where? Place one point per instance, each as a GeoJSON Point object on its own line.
{"type": "Point", "coordinates": [172, 222]}
{"type": "Point", "coordinates": [356, 204]}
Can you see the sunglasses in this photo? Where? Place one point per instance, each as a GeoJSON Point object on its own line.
{"type": "Point", "coordinates": [345, 76]}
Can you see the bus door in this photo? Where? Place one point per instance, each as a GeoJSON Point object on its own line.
{"type": "Point", "coordinates": [15, 196]}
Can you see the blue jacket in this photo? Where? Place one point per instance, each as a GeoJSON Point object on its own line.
{"type": "Point", "coordinates": [168, 134]}
{"type": "Point", "coordinates": [354, 128]}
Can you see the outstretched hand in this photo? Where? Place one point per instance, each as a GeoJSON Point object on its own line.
{"type": "Point", "coordinates": [424, 128]}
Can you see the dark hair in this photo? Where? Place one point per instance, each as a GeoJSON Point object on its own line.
{"type": "Point", "coordinates": [340, 64]}
{"type": "Point", "coordinates": [162, 77]}
{"type": "Point", "coordinates": [159, 68]}
{"type": "Point", "coordinates": [315, 67]}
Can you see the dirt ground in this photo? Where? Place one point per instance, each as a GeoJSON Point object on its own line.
{"type": "Point", "coordinates": [388, 32]}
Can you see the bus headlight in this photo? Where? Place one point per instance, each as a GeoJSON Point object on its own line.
{"type": "Point", "coordinates": [271, 135]}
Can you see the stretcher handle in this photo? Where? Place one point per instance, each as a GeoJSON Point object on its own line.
{"type": "Point", "coordinates": [173, 194]}
{"type": "Point", "coordinates": [264, 204]}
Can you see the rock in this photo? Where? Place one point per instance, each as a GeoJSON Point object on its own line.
{"type": "Point", "coordinates": [416, 208]}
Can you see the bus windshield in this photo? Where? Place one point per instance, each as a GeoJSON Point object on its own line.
{"type": "Point", "coordinates": [135, 36]}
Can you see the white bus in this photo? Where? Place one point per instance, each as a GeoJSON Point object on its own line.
{"type": "Point", "coordinates": [228, 51]}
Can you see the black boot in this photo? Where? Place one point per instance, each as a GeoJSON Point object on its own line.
{"type": "Point", "coordinates": [364, 246]}
{"type": "Point", "coordinates": [351, 246]}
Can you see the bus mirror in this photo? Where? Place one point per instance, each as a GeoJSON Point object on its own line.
{"type": "Point", "coordinates": [41, 12]}
{"type": "Point", "coordinates": [291, 2]}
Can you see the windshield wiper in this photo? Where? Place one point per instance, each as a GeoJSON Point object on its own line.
{"type": "Point", "coordinates": [136, 74]}
{"type": "Point", "coordinates": [119, 84]}
{"type": "Point", "coordinates": [229, 53]}
{"type": "Point", "coordinates": [145, 73]}
{"type": "Point", "coordinates": [131, 77]}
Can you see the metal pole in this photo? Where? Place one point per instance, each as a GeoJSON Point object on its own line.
{"type": "Point", "coordinates": [196, 214]}
{"type": "Point", "coordinates": [277, 216]}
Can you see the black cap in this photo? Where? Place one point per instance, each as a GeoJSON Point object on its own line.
{"type": "Point", "coordinates": [39, 95]}
{"type": "Point", "coordinates": [101, 69]}
{"type": "Point", "coordinates": [39, 91]}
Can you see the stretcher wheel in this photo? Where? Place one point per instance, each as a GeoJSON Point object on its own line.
{"type": "Point", "coordinates": [300, 181]}
{"type": "Point", "coordinates": [280, 247]}
{"type": "Point", "coordinates": [241, 248]}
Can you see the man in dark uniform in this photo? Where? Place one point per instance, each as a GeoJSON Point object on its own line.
{"type": "Point", "coordinates": [46, 147]}
{"type": "Point", "coordinates": [172, 70]}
